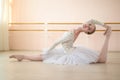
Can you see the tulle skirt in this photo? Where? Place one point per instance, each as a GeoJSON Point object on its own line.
{"type": "Point", "coordinates": [79, 55]}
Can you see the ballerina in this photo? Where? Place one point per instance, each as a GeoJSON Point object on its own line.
{"type": "Point", "coordinates": [70, 54]}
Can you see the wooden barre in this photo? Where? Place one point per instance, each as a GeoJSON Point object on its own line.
{"type": "Point", "coordinates": [54, 23]}
{"type": "Point", "coordinates": [60, 30]}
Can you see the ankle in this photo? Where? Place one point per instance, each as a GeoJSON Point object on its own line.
{"type": "Point", "coordinates": [101, 60]}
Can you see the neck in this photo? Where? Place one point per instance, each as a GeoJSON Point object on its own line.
{"type": "Point", "coordinates": [78, 30]}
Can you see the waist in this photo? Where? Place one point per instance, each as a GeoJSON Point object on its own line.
{"type": "Point", "coordinates": [69, 50]}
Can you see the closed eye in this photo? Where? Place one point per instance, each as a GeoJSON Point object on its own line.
{"type": "Point", "coordinates": [90, 24]}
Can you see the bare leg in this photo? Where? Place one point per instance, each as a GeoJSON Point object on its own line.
{"type": "Point", "coordinates": [27, 57]}
{"type": "Point", "coordinates": [103, 55]}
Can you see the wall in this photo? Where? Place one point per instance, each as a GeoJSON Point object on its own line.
{"type": "Point", "coordinates": [32, 37]}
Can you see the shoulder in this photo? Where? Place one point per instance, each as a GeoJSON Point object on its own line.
{"type": "Point", "coordinates": [71, 30]}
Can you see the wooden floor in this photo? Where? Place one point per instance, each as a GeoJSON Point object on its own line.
{"type": "Point", "coordinates": [10, 69]}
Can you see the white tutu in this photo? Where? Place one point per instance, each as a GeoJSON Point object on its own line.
{"type": "Point", "coordinates": [79, 55]}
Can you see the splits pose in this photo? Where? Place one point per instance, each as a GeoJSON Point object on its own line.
{"type": "Point", "coordinates": [70, 54]}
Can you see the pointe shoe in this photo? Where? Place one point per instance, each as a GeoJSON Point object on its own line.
{"type": "Point", "coordinates": [107, 30]}
{"type": "Point", "coordinates": [108, 33]}
{"type": "Point", "coordinates": [18, 57]}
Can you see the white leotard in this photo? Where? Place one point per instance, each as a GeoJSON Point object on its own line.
{"type": "Point", "coordinates": [66, 41]}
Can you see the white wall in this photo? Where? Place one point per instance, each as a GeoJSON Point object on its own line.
{"type": "Point", "coordinates": [65, 10]}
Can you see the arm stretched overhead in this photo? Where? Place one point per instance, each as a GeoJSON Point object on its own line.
{"type": "Point", "coordinates": [96, 22]}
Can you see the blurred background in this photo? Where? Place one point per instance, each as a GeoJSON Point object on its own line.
{"type": "Point", "coordinates": [37, 24]}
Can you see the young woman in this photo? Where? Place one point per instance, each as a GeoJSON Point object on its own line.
{"type": "Point", "coordinates": [70, 54]}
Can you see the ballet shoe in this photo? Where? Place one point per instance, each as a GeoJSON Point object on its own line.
{"type": "Point", "coordinates": [18, 57]}
{"type": "Point", "coordinates": [107, 30]}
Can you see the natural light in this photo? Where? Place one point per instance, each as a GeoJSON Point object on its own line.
{"type": "Point", "coordinates": [10, 10]}
{"type": "Point", "coordinates": [0, 9]}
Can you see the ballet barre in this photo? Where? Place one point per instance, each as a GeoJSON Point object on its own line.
{"type": "Point", "coordinates": [53, 23]}
{"type": "Point", "coordinates": [55, 30]}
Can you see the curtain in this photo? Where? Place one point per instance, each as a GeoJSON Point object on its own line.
{"type": "Point", "coordinates": [4, 41]}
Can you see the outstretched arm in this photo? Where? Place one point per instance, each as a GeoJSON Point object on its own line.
{"type": "Point", "coordinates": [54, 45]}
{"type": "Point", "coordinates": [93, 21]}
{"type": "Point", "coordinates": [64, 38]}
{"type": "Point", "coordinates": [96, 22]}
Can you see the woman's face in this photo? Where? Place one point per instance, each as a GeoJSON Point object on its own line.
{"type": "Point", "coordinates": [88, 28]}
